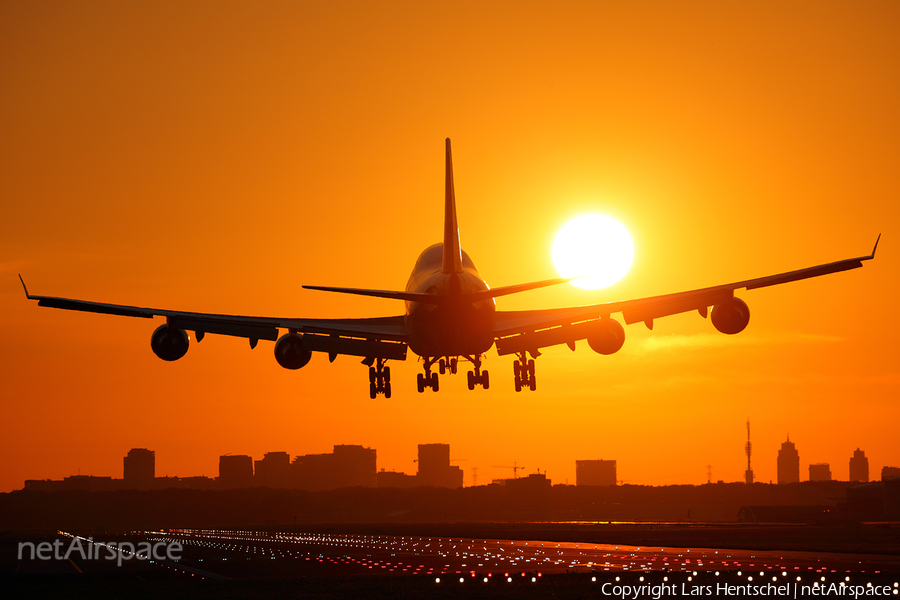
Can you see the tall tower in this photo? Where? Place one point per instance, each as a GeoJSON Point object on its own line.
{"type": "Point", "coordinates": [859, 467]}
{"type": "Point", "coordinates": [748, 475]}
{"type": "Point", "coordinates": [788, 463]}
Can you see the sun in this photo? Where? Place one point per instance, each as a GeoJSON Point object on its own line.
{"type": "Point", "coordinates": [596, 246]}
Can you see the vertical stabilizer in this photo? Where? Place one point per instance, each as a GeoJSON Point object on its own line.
{"type": "Point", "coordinates": [452, 260]}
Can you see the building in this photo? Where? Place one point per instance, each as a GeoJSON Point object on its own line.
{"type": "Point", "coordinates": [595, 472]}
{"type": "Point", "coordinates": [273, 470]}
{"type": "Point", "coordinates": [889, 473]}
{"type": "Point", "coordinates": [435, 468]}
{"type": "Point", "coordinates": [820, 472]}
{"type": "Point", "coordinates": [859, 466]}
{"type": "Point", "coordinates": [235, 471]}
{"type": "Point", "coordinates": [139, 466]}
{"type": "Point", "coordinates": [393, 479]}
{"type": "Point", "coordinates": [788, 463]}
{"type": "Point", "coordinates": [347, 466]}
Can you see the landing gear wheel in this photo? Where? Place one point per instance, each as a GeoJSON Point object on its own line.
{"type": "Point", "coordinates": [453, 362]}
{"type": "Point", "coordinates": [387, 390]}
{"type": "Point", "coordinates": [373, 391]}
{"type": "Point", "coordinates": [420, 382]}
{"type": "Point", "coordinates": [373, 374]}
{"type": "Point", "coordinates": [434, 382]}
{"type": "Point", "coordinates": [442, 366]}
{"type": "Point", "coordinates": [531, 369]}
{"type": "Point", "coordinates": [471, 380]}
{"type": "Point", "coordinates": [485, 380]}
{"type": "Point", "coordinates": [518, 383]}
{"type": "Point", "coordinates": [387, 375]}
{"type": "Point", "coordinates": [533, 383]}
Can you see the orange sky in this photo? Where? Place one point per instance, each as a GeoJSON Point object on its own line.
{"type": "Point", "coordinates": [216, 156]}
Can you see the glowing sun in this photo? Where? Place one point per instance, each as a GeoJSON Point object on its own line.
{"type": "Point", "coordinates": [595, 246]}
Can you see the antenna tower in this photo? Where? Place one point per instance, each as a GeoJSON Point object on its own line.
{"type": "Point", "coordinates": [748, 475]}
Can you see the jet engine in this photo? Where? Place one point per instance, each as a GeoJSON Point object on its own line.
{"type": "Point", "coordinates": [606, 336]}
{"type": "Point", "coordinates": [289, 351]}
{"type": "Point", "coordinates": [731, 317]}
{"type": "Point", "coordinates": [169, 343]}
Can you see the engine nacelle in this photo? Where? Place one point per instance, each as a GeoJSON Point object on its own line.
{"type": "Point", "coordinates": [606, 337]}
{"type": "Point", "coordinates": [169, 343]}
{"type": "Point", "coordinates": [731, 317]}
{"type": "Point", "coordinates": [289, 351]}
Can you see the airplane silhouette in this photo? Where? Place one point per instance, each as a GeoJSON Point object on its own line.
{"type": "Point", "coordinates": [450, 316]}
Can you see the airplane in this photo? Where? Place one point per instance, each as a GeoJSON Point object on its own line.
{"type": "Point", "coordinates": [450, 316]}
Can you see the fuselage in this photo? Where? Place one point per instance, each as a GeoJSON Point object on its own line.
{"type": "Point", "coordinates": [455, 327]}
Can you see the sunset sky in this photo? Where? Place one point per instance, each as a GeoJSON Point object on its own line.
{"type": "Point", "coordinates": [216, 156]}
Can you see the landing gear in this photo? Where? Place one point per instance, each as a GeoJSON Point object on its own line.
{"type": "Point", "coordinates": [447, 363]}
{"type": "Point", "coordinates": [524, 373]}
{"type": "Point", "coordinates": [478, 377]}
{"type": "Point", "coordinates": [429, 379]}
{"type": "Point", "coordinates": [379, 379]}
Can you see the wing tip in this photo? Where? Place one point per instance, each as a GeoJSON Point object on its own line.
{"type": "Point", "coordinates": [875, 247]}
{"type": "Point", "coordinates": [24, 287]}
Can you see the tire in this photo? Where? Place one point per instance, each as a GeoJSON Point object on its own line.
{"type": "Point", "coordinates": [471, 381]}
{"type": "Point", "coordinates": [531, 369]}
{"type": "Point", "coordinates": [485, 380]}
{"type": "Point", "coordinates": [420, 382]}
{"type": "Point", "coordinates": [434, 382]}
{"type": "Point", "coordinates": [387, 390]}
{"type": "Point", "coordinates": [518, 383]}
{"type": "Point", "coordinates": [387, 375]}
{"type": "Point", "coordinates": [372, 391]}
{"type": "Point", "coordinates": [533, 383]}
{"type": "Point", "coordinates": [372, 374]}
{"type": "Point", "coordinates": [442, 366]}
{"type": "Point", "coordinates": [453, 362]}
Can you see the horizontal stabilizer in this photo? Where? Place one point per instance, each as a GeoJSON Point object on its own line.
{"type": "Point", "coordinates": [443, 299]}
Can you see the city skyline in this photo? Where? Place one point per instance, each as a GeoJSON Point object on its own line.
{"type": "Point", "coordinates": [150, 160]}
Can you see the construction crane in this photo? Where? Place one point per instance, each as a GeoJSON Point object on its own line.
{"type": "Point", "coordinates": [515, 467]}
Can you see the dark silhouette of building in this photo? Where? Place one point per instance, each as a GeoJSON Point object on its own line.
{"type": "Point", "coordinates": [595, 472]}
{"type": "Point", "coordinates": [788, 463]}
{"type": "Point", "coordinates": [139, 466]}
{"type": "Point", "coordinates": [347, 466]}
{"type": "Point", "coordinates": [859, 466]}
{"type": "Point", "coordinates": [889, 473]}
{"type": "Point", "coordinates": [820, 472]}
{"type": "Point", "coordinates": [235, 471]}
{"type": "Point", "coordinates": [393, 479]}
{"type": "Point", "coordinates": [435, 468]}
{"type": "Point", "coordinates": [273, 470]}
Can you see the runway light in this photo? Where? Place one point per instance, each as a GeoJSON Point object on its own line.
{"type": "Point", "coordinates": [594, 579]}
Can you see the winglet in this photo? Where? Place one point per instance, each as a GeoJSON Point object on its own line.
{"type": "Point", "coordinates": [452, 258]}
{"type": "Point", "coordinates": [876, 246]}
{"type": "Point", "coordinates": [27, 295]}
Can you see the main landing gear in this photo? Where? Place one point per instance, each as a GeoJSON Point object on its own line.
{"type": "Point", "coordinates": [379, 378]}
{"type": "Point", "coordinates": [524, 372]}
{"type": "Point", "coordinates": [477, 377]}
{"type": "Point", "coordinates": [430, 379]}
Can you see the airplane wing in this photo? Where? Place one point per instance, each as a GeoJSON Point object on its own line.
{"type": "Point", "coordinates": [529, 330]}
{"type": "Point", "coordinates": [381, 337]}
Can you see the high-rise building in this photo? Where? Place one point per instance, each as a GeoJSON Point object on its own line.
{"type": "Point", "coordinates": [889, 473]}
{"type": "Point", "coordinates": [595, 472]}
{"type": "Point", "coordinates": [272, 470]}
{"type": "Point", "coordinates": [347, 466]}
{"type": "Point", "coordinates": [859, 466]}
{"type": "Point", "coordinates": [235, 471]}
{"type": "Point", "coordinates": [788, 463]}
{"type": "Point", "coordinates": [435, 468]}
{"type": "Point", "coordinates": [139, 465]}
{"type": "Point", "coordinates": [820, 472]}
